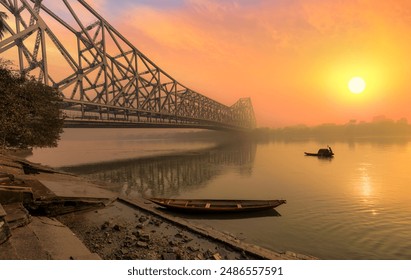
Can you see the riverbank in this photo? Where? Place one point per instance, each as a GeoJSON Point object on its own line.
{"type": "Point", "coordinates": [49, 206]}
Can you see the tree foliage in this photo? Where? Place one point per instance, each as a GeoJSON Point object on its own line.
{"type": "Point", "coordinates": [29, 111]}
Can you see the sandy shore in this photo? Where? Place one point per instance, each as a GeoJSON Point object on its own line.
{"type": "Point", "coordinates": [103, 225]}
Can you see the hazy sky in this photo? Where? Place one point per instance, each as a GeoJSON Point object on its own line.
{"type": "Point", "coordinates": [294, 58]}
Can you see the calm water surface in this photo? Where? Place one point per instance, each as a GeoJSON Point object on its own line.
{"type": "Point", "coordinates": [354, 206]}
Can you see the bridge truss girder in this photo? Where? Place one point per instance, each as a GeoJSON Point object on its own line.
{"type": "Point", "coordinates": [106, 79]}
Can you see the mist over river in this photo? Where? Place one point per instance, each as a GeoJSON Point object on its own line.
{"type": "Point", "coordinates": [356, 205]}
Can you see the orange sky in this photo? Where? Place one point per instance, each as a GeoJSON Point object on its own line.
{"type": "Point", "coordinates": [294, 58]}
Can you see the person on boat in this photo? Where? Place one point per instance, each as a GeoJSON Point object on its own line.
{"type": "Point", "coordinates": [331, 151]}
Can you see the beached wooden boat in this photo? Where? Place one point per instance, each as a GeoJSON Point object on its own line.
{"type": "Point", "coordinates": [216, 205]}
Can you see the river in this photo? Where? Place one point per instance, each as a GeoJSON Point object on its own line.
{"type": "Point", "coordinates": [354, 206]}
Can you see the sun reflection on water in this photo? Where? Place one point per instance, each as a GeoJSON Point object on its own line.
{"type": "Point", "coordinates": [367, 188]}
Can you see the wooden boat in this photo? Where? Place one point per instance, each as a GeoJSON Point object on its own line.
{"type": "Point", "coordinates": [322, 153]}
{"type": "Point", "coordinates": [216, 205]}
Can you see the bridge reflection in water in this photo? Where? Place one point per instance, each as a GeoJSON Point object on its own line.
{"type": "Point", "coordinates": [171, 175]}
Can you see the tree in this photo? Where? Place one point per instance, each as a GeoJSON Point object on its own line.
{"type": "Point", "coordinates": [29, 111]}
{"type": "Point", "coordinates": [3, 18]}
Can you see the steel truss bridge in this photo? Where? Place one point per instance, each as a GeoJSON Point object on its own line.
{"type": "Point", "coordinates": [106, 81]}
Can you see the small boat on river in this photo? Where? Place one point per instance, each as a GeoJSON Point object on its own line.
{"type": "Point", "coordinates": [322, 153]}
{"type": "Point", "coordinates": [216, 205]}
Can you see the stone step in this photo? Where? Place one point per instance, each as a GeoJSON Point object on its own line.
{"type": "Point", "coordinates": [26, 245]}
{"type": "Point", "coordinates": [6, 178]}
{"type": "Point", "coordinates": [59, 241]}
{"type": "Point", "coordinates": [7, 251]}
{"type": "Point", "coordinates": [40, 191]}
{"type": "Point", "coordinates": [17, 215]}
{"type": "Point", "coordinates": [44, 239]}
{"type": "Point", "coordinates": [53, 198]}
{"type": "Point", "coordinates": [13, 194]}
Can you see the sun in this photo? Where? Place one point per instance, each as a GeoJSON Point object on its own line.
{"type": "Point", "coordinates": [356, 85]}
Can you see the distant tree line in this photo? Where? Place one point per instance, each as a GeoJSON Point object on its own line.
{"type": "Point", "coordinates": [378, 128]}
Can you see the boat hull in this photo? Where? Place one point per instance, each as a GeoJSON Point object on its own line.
{"type": "Point", "coordinates": [319, 155]}
{"type": "Point", "coordinates": [216, 205]}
